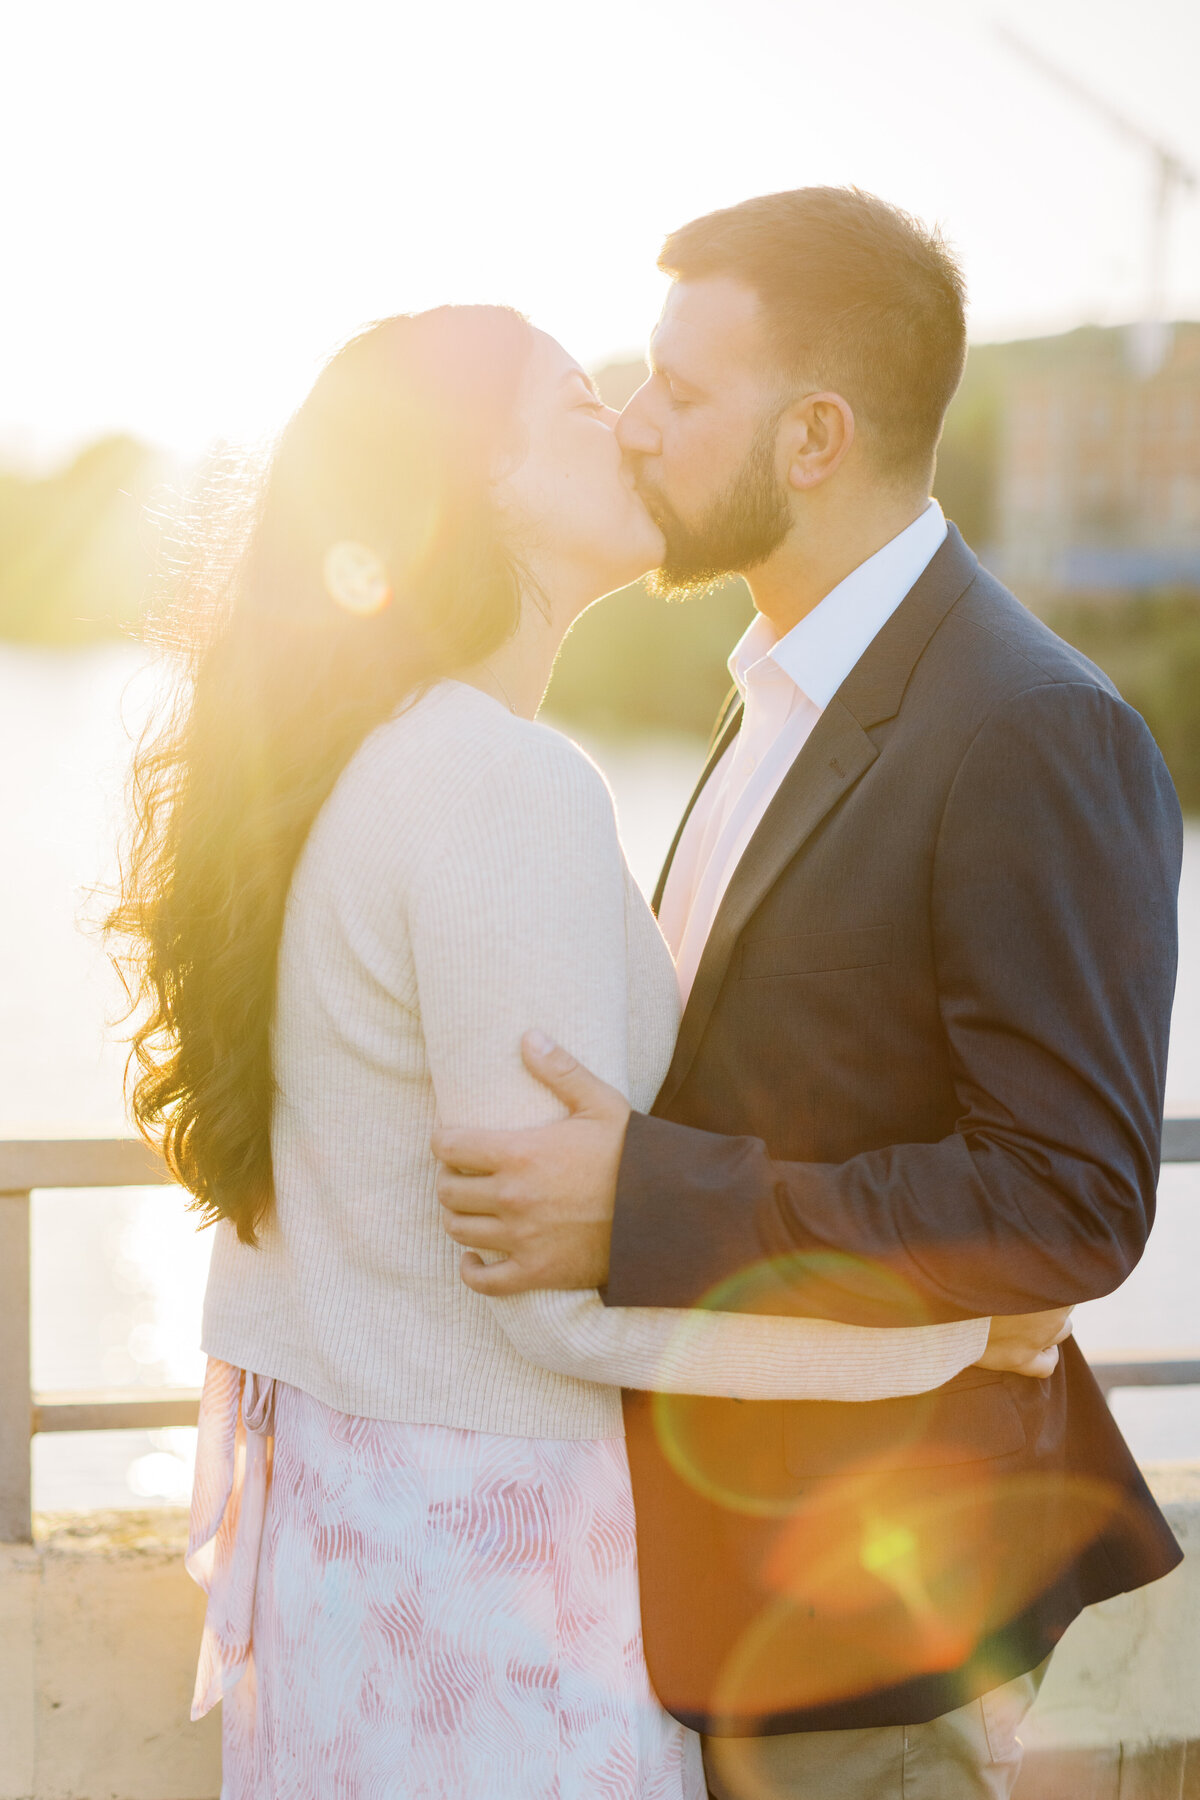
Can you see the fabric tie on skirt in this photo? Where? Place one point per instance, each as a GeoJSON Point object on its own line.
{"type": "Point", "coordinates": [234, 1453]}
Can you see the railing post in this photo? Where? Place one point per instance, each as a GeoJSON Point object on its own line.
{"type": "Point", "coordinates": [16, 1525]}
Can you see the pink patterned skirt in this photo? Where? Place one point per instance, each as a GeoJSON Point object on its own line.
{"type": "Point", "coordinates": [412, 1612]}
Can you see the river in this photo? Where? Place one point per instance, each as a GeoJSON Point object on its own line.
{"type": "Point", "coordinates": [118, 1276]}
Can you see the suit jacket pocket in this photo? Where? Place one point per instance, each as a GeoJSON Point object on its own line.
{"type": "Point", "coordinates": [948, 1426]}
{"type": "Point", "coordinates": [816, 952]}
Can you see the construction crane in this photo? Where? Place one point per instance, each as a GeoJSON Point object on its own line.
{"type": "Point", "coordinates": [1172, 177]}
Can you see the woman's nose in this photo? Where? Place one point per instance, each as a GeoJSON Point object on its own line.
{"type": "Point", "coordinates": [636, 434]}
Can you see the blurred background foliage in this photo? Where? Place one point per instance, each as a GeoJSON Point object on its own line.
{"type": "Point", "coordinates": [82, 552]}
{"type": "Point", "coordinates": [78, 548]}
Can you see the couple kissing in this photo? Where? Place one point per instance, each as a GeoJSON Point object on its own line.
{"type": "Point", "coordinates": [639, 1338]}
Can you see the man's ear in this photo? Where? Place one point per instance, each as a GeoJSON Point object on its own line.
{"type": "Point", "coordinates": [817, 432]}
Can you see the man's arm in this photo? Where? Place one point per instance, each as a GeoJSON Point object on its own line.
{"type": "Point", "coordinates": [1054, 897]}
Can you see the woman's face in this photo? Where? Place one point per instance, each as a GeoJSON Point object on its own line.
{"type": "Point", "coordinates": [579, 511]}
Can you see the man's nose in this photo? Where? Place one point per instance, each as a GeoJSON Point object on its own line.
{"type": "Point", "coordinates": [637, 433]}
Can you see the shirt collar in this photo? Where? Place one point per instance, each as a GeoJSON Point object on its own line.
{"type": "Point", "coordinates": [819, 652]}
{"type": "Point", "coordinates": [754, 646]}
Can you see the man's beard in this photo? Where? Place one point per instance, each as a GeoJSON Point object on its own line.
{"type": "Point", "coordinates": [740, 529]}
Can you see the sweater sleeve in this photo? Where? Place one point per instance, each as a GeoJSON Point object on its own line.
{"type": "Point", "coordinates": [518, 921]}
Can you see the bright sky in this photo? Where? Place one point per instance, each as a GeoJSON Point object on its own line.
{"type": "Point", "coordinates": [204, 197]}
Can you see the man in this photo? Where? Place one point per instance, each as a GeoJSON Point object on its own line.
{"type": "Point", "coordinates": [923, 909]}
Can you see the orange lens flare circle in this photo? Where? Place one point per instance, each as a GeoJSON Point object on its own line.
{"type": "Point", "coordinates": [718, 1447]}
{"type": "Point", "coordinates": [867, 1588]}
{"type": "Point", "coordinates": [795, 1286]}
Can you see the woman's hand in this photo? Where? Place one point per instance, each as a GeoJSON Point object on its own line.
{"type": "Point", "coordinates": [1027, 1343]}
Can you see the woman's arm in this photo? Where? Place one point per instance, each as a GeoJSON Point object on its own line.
{"type": "Point", "coordinates": [739, 1355]}
{"type": "Point", "coordinates": [518, 921]}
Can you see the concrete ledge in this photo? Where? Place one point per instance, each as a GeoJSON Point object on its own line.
{"type": "Point", "coordinates": [1118, 1717]}
{"type": "Point", "coordinates": [99, 1629]}
{"type": "Point", "coordinates": [1120, 1772]}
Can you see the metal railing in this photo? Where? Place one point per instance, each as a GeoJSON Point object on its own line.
{"type": "Point", "coordinates": [127, 1162]}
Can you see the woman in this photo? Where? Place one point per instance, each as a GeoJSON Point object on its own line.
{"type": "Point", "coordinates": [362, 872]}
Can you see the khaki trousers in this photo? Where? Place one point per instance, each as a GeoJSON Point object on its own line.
{"type": "Point", "coordinates": [973, 1753]}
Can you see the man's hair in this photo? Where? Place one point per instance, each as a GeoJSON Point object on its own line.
{"type": "Point", "coordinates": [856, 297]}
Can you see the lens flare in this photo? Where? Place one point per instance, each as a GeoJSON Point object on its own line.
{"type": "Point", "coordinates": [355, 578]}
{"type": "Point", "coordinates": [804, 1283]}
{"type": "Point", "coordinates": [718, 1446]}
{"type": "Point", "coordinates": [867, 1587]}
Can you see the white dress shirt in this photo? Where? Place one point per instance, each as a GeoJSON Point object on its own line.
{"type": "Point", "coordinates": [785, 683]}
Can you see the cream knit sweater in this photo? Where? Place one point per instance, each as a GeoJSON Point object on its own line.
{"type": "Point", "coordinates": [463, 883]}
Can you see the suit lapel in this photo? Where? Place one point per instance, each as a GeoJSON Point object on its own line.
{"type": "Point", "coordinates": [726, 729]}
{"type": "Point", "coordinates": [836, 756]}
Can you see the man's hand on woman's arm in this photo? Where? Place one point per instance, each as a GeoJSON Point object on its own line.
{"type": "Point", "coordinates": [541, 1198]}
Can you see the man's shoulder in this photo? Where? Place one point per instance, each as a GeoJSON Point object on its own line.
{"type": "Point", "coordinates": [1000, 640]}
{"type": "Point", "coordinates": [999, 682]}
{"type": "Point", "coordinates": [989, 652]}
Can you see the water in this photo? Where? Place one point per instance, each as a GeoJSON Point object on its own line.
{"type": "Point", "coordinates": [118, 1275]}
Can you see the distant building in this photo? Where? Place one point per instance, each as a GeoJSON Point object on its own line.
{"type": "Point", "coordinates": [1096, 468]}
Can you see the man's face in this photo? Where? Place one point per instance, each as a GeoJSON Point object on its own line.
{"type": "Point", "coordinates": [700, 436]}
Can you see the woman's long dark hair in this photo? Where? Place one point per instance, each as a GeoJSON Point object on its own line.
{"type": "Point", "coordinates": [395, 449]}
